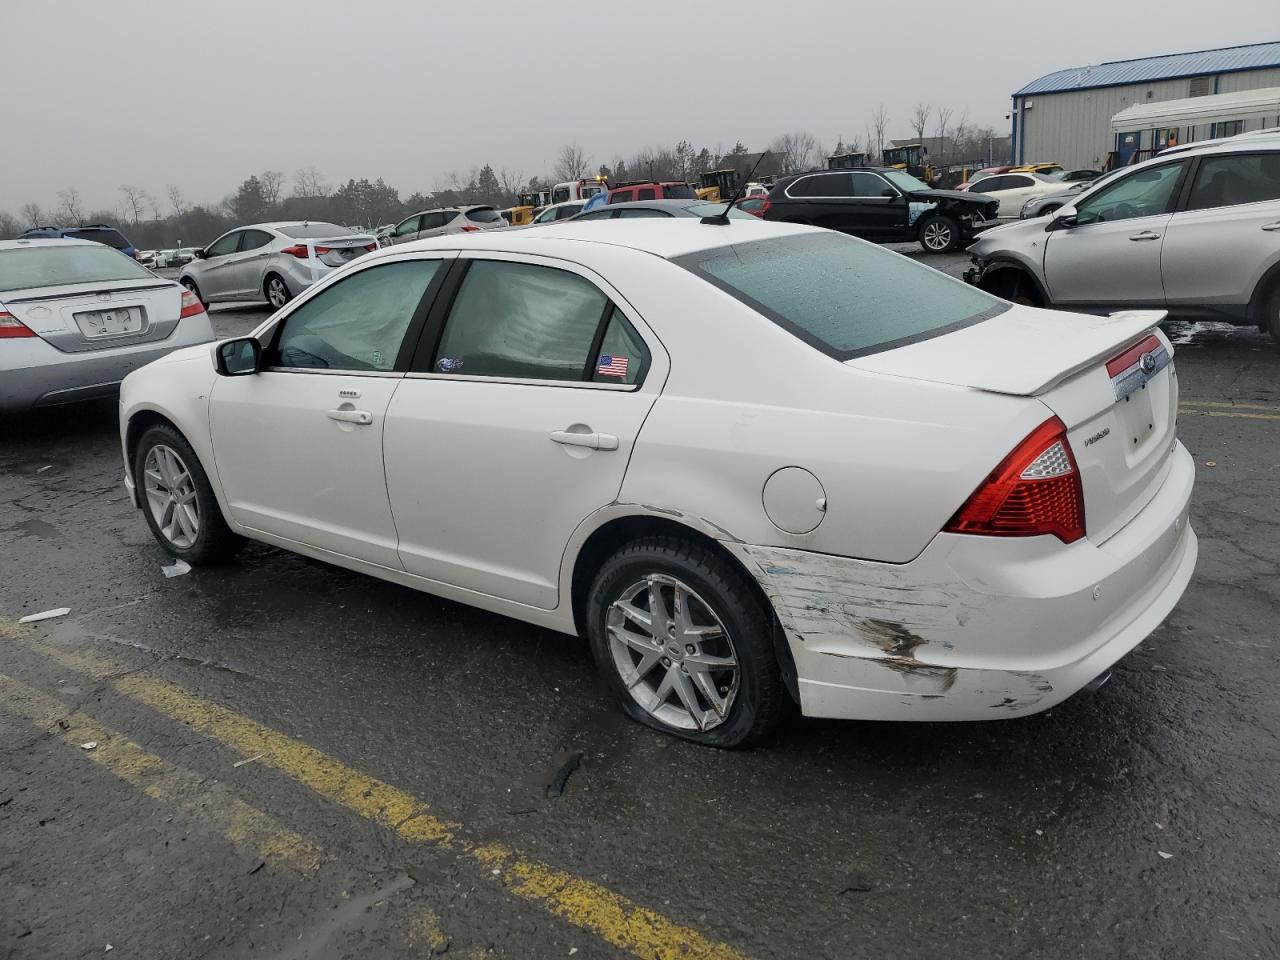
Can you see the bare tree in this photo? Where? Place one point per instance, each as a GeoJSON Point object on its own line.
{"type": "Point", "coordinates": [134, 203]}
{"type": "Point", "coordinates": [795, 151]}
{"type": "Point", "coordinates": [70, 206]}
{"type": "Point", "coordinates": [944, 117]}
{"type": "Point", "coordinates": [272, 181]}
{"type": "Point", "coordinates": [154, 204]}
{"type": "Point", "coordinates": [920, 119]}
{"type": "Point", "coordinates": [571, 163]}
{"type": "Point", "coordinates": [9, 225]}
{"type": "Point", "coordinates": [309, 182]}
{"type": "Point", "coordinates": [879, 124]}
{"type": "Point", "coordinates": [32, 215]}
{"type": "Point", "coordinates": [511, 181]}
{"type": "Point", "coordinates": [176, 199]}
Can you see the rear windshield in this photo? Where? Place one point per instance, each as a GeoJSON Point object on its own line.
{"type": "Point", "coordinates": [484, 215]}
{"type": "Point", "coordinates": [112, 238]}
{"type": "Point", "coordinates": [843, 296]}
{"type": "Point", "coordinates": [29, 267]}
{"type": "Point", "coordinates": [715, 209]}
{"type": "Point", "coordinates": [681, 191]}
{"type": "Point", "coordinates": [310, 231]}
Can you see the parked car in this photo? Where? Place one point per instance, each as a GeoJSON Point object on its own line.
{"type": "Point", "coordinates": [660, 208]}
{"type": "Point", "coordinates": [853, 481]}
{"type": "Point", "coordinates": [753, 205]}
{"type": "Point", "coordinates": [1044, 205]}
{"type": "Point", "coordinates": [97, 232]}
{"type": "Point", "coordinates": [1014, 189]}
{"type": "Point", "coordinates": [982, 174]}
{"type": "Point", "coordinates": [1196, 233]}
{"type": "Point", "coordinates": [148, 258]}
{"type": "Point", "coordinates": [1075, 176]}
{"type": "Point", "coordinates": [76, 316]}
{"type": "Point", "coordinates": [651, 190]}
{"type": "Point", "coordinates": [559, 211]}
{"type": "Point", "coordinates": [439, 221]}
{"type": "Point", "coordinates": [271, 261]}
{"type": "Point", "coordinates": [881, 204]}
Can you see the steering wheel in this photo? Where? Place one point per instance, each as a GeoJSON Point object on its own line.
{"type": "Point", "coordinates": [1125, 211]}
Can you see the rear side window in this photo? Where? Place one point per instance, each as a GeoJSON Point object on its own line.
{"type": "Point", "coordinates": [26, 267]}
{"type": "Point", "coordinates": [633, 213]}
{"type": "Point", "coordinates": [646, 193]}
{"type": "Point", "coordinates": [843, 297]}
{"type": "Point", "coordinates": [520, 320]}
{"type": "Point", "coordinates": [253, 239]}
{"type": "Point", "coordinates": [1232, 180]}
{"type": "Point", "coordinates": [111, 238]}
{"type": "Point", "coordinates": [680, 191]}
{"type": "Point", "coordinates": [483, 215]}
{"type": "Point", "coordinates": [623, 357]}
{"type": "Point", "coordinates": [988, 184]}
{"type": "Point", "coordinates": [822, 185]}
{"type": "Point", "coordinates": [622, 196]}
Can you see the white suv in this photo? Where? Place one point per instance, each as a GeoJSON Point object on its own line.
{"type": "Point", "coordinates": [1194, 231]}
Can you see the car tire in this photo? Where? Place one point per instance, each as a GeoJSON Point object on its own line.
{"type": "Point", "coordinates": [1271, 320]}
{"type": "Point", "coordinates": [1047, 210]}
{"type": "Point", "coordinates": [276, 291]}
{"type": "Point", "coordinates": [191, 285]}
{"type": "Point", "coordinates": [655, 676]}
{"type": "Point", "coordinates": [178, 500]}
{"type": "Point", "coordinates": [938, 234]}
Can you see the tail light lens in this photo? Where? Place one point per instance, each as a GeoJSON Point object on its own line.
{"type": "Point", "coordinates": [298, 250]}
{"type": "Point", "coordinates": [191, 305]}
{"type": "Point", "coordinates": [371, 247]}
{"type": "Point", "coordinates": [468, 228]}
{"type": "Point", "coordinates": [764, 207]}
{"type": "Point", "coordinates": [1036, 490]}
{"type": "Point", "coordinates": [11, 327]}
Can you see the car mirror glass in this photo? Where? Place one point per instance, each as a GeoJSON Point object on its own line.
{"type": "Point", "coordinates": [238, 358]}
{"type": "Point", "coordinates": [889, 192]}
{"type": "Point", "coordinates": [199, 253]}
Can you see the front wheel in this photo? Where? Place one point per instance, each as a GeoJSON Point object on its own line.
{"type": "Point", "coordinates": [277, 292]}
{"type": "Point", "coordinates": [939, 234]}
{"type": "Point", "coordinates": [684, 644]}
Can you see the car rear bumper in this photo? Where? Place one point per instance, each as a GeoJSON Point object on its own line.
{"type": "Point", "coordinates": [36, 374]}
{"type": "Point", "coordinates": [977, 627]}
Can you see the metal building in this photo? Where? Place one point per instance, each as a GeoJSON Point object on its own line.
{"type": "Point", "coordinates": [1066, 116]}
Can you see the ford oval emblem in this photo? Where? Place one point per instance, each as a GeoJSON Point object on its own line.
{"type": "Point", "coordinates": [1148, 362]}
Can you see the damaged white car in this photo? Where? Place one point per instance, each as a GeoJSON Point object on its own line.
{"type": "Point", "coordinates": [752, 464]}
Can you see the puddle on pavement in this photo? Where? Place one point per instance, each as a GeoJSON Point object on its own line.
{"type": "Point", "coordinates": [35, 528]}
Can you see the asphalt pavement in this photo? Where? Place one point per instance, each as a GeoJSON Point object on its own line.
{"type": "Point", "coordinates": [278, 758]}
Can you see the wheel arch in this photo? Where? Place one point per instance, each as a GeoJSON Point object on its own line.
{"type": "Point", "coordinates": [1003, 269]}
{"type": "Point", "coordinates": [266, 278]}
{"type": "Point", "coordinates": [1268, 285]}
{"type": "Point", "coordinates": [618, 530]}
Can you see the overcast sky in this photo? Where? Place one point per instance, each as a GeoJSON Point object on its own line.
{"type": "Point", "coordinates": [104, 92]}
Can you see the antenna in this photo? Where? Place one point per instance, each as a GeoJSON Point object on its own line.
{"type": "Point", "coordinates": [721, 219]}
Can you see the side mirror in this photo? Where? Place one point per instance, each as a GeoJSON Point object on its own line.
{"type": "Point", "coordinates": [889, 192]}
{"type": "Point", "coordinates": [1062, 218]}
{"type": "Point", "coordinates": [198, 253]}
{"type": "Point", "coordinates": [238, 358]}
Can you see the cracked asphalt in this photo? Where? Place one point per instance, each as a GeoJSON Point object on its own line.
{"type": "Point", "coordinates": [295, 761]}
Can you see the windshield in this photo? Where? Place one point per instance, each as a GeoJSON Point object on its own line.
{"type": "Point", "coordinates": [904, 181]}
{"type": "Point", "coordinates": [28, 267]}
{"type": "Point", "coordinates": [309, 231]}
{"type": "Point", "coordinates": [840, 295]}
{"type": "Point", "coordinates": [483, 215]}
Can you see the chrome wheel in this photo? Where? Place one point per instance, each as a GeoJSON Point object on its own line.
{"type": "Point", "coordinates": [277, 292]}
{"type": "Point", "coordinates": [171, 496]}
{"type": "Point", "coordinates": [673, 653]}
{"type": "Point", "coordinates": [937, 235]}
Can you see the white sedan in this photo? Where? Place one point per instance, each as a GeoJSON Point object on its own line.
{"type": "Point", "coordinates": [752, 463]}
{"type": "Point", "coordinates": [1015, 189]}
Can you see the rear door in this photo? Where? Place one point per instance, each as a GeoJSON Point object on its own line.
{"type": "Point", "coordinates": [298, 446]}
{"type": "Point", "coordinates": [516, 423]}
{"type": "Point", "coordinates": [823, 199]}
{"type": "Point", "coordinates": [1227, 235]}
{"type": "Point", "coordinates": [435, 224]}
{"type": "Point", "coordinates": [1110, 257]}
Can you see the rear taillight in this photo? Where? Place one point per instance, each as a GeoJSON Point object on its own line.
{"type": "Point", "coordinates": [468, 228]}
{"type": "Point", "coordinates": [1035, 491]}
{"type": "Point", "coordinates": [371, 247]}
{"type": "Point", "coordinates": [764, 207]}
{"type": "Point", "coordinates": [191, 305]}
{"type": "Point", "coordinates": [298, 250]}
{"type": "Point", "coordinates": [11, 327]}
{"type": "Point", "coordinates": [321, 251]}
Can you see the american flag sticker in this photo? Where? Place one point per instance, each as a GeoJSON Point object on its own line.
{"type": "Point", "coordinates": [610, 366]}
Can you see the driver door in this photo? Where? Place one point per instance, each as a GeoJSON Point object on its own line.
{"type": "Point", "coordinates": [217, 275]}
{"type": "Point", "coordinates": [1110, 258]}
{"type": "Point", "coordinates": [298, 445]}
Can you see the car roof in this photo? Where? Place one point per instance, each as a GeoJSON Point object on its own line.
{"type": "Point", "coordinates": [58, 242]}
{"type": "Point", "coordinates": [660, 236]}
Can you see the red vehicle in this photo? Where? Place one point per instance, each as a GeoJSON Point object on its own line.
{"type": "Point", "coordinates": [753, 205]}
{"type": "Point", "coordinates": [650, 190]}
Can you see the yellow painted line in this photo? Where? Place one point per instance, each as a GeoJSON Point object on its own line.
{"type": "Point", "coordinates": [211, 805]}
{"type": "Point", "coordinates": [590, 906]}
{"type": "Point", "coordinates": [1227, 404]}
{"type": "Point", "coordinates": [1192, 412]}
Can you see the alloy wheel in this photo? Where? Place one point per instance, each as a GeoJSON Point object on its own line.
{"type": "Point", "coordinates": [171, 496]}
{"type": "Point", "coordinates": [937, 235]}
{"type": "Point", "coordinates": [673, 653]}
{"type": "Point", "coordinates": [277, 292]}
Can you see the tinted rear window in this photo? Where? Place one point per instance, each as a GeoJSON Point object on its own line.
{"type": "Point", "coordinates": [112, 238]}
{"type": "Point", "coordinates": [707, 209]}
{"type": "Point", "coordinates": [310, 231]}
{"type": "Point", "coordinates": [483, 215]}
{"type": "Point", "coordinates": [681, 191]}
{"type": "Point", "coordinates": [844, 297]}
{"type": "Point", "coordinates": [22, 268]}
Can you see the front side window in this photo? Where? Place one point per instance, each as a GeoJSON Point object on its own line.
{"type": "Point", "coordinates": [358, 323]}
{"type": "Point", "coordinates": [868, 185]}
{"type": "Point", "coordinates": [1144, 193]}
{"type": "Point", "coordinates": [520, 320]}
{"type": "Point", "coordinates": [224, 245]}
{"type": "Point", "coordinates": [841, 296]}
{"type": "Point", "coordinates": [560, 195]}
{"type": "Point", "coordinates": [680, 191]}
{"type": "Point", "coordinates": [406, 227]}
{"type": "Point", "coordinates": [1226, 181]}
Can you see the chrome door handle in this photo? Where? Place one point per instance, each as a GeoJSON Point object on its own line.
{"type": "Point", "coordinates": [362, 417]}
{"type": "Point", "coordinates": [1271, 227]}
{"type": "Point", "coordinates": [1146, 235]}
{"type": "Point", "coordinates": [595, 441]}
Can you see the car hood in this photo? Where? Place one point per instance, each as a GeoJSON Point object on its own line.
{"type": "Point", "coordinates": [961, 196]}
{"type": "Point", "coordinates": [1015, 233]}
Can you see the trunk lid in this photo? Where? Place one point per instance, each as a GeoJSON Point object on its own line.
{"type": "Point", "coordinates": [1110, 380]}
{"type": "Point", "coordinates": [336, 251]}
{"type": "Point", "coordinates": [82, 317]}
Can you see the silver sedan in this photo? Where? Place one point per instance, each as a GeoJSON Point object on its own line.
{"type": "Point", "coordinates": [77, 316]}
{"type": "Point", "coordinates": [271, 261]}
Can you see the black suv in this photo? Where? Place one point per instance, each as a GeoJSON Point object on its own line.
{"type": "Point", "coordinates": [883, 205]}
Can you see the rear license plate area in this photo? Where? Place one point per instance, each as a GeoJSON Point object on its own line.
{"type": "Point", "coordinates": [117, 322]}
